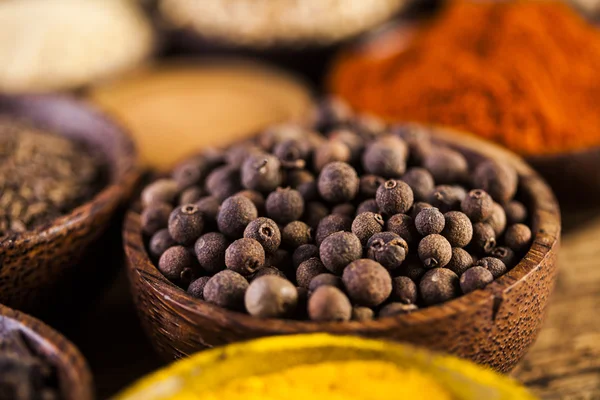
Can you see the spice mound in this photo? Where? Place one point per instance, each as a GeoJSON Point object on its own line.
{"type": "Point", "coordinates": [335, 380]}
{"type": "Point", "coordinates": [343, 219]}
{"type": "Point", "coordinates": [24, 375]}
{"type": "Point", "coordinates": [42, 176]}
{"type": "Point", "coordinates": [523, 74]}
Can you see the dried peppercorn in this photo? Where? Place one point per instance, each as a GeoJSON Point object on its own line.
{"type": "Point", "coordinates": [176, 264]}
{"type": "Point", "coordinates": [354, 141]}
{"type": "Point", "coordinates": [484, 237]}
{"type": "Point", "coordinates": [303, 253]}
{"type": "Point", "coordinates": [323, 280]}
{"type": "Point", "coordinates": [330, 151]}
{"type": "Point", "coordinates": [505, 254]}
{"type": "Point", "coordinates": [475, 278]}
{"type": "Point", "coordinates": [223, 182]}
{"type": "Point", "coordinates": [446, 165]}
{"type": "Point", "coordinates": [362, 313]}
{"type": "Point", "coordinates": [439, 285]}
{"type": "Point", "coordinates": [396, 309]}
{"type": "Point", "coordinates": [515, 211]}
{"type": "Point", "coordinates": [256, 197]}
{"type": "Point", "coordinates": [160, 191]}
{"type": "Point", "coordinates": [403, 226]}
{"type": "Point", "coordinates": [477, 205]}
{"type": "Point", "coordinates": [235, 214]}
{"type": "Point", "coordinates": [292, 149]}
{"type": "Point", "coordinates": [226, 289]}
{"type": "Point", "coordinates": [498, 179]}
{"type": "Point", "coordinates": [460, 262]}
{"type": "Point", "coordinates": [244, 256]}
{"type": "Point", "coordinates": [284, 205]}
{"type": "Point", "coordinates": [307, 270]}
{"type": "Point", "coordinates": [186, 224]}
{"type": "Point", "coordinates": [394, 197]}
{"type": "Point", "coordinates": [237, 154]}
{"type": "Point", "coordinates": [189, 173]}
{"type": "Point", "coordinates": [314, 212]}
{"type": "Point", "coordinates": [391, 255]}
{"type": "Point", "coordinates": [196, 288]}
{"type": "Point", "coordinates": [346, 209]}
{"type": "Point", "coordinates": [517, 237]}
{"type": "Point", "coordinates": [338, 182]}
{"type": "Point", "coordinates": [271, 297]}
{"type": "Point", "coordinates": [386, 157]}
{"type": "Point", "coordinates": [329, 303]}
{"type": "Point", "coordinates": [404, 290]}
{"type": "Point", "coordinates": [417, 208]}
{"type": "Point", "coordinates": [366, 225]}
{"type": "Point", "coordinates": [210, 251]}
{"type": "Point", "coordinates": [368, 185]}
{"type": "Point", "coordinates": [447, 197]}
{"type": "Point", "coordinates": [367, 282]}
{"type": "Point", "coordinates": [418, 140]}
{"type": "Point", "coordinates": [429, 221]}
{"type": "Point", "coordinates": [458, 229]}
{"type": "Point", "coordinates": [369, 205]}
{"type": "Point", "coordinates": [160, 242]}
{"type": "Point", "coordinates": [209, 207]}
{"type": "Point", "coordinates": [155, 217]}
{"type": "Point", "coordinates": [296, 233]}
{"type": "Point", "coordinates": [492, 264]}
{"type": "Point", "coordinates": [338, 250]}
{"type": "Point", "coordinates": [264, 271]}
{"type": "Point", "coordinates": [331, 224]}
{"type": "Point", "coordinates": [435, 251]}
{"type": "Point", "coordinates": [266, 232]}
{"type": "Point", "coordinates": [420, 181]}
{"type": "Point", "coordinates": [191, 195]}
{"type": "Point", "coordinates": [261, 172]}
{"type": "Point", "coordinates": [279, 133]}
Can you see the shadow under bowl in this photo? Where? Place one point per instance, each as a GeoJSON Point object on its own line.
{"type": "Point", "coordinates": [45, 266]}
{"type": "Point", "coordinates": [74, 377]}
{"type": "Point", "coordinates": [493, 326]}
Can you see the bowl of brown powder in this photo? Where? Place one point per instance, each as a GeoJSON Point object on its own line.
{"type": "Point", "coordinates": [65, 171]}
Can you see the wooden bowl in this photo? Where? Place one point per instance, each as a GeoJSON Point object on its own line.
{"type": "Point", "coordinates": [493, 326]}
{"type": "Point", "coordinates": [42, 265]}
{"type": "Point", "coordinates": [75, 379]}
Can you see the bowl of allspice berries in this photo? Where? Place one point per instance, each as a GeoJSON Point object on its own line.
{"type": "Point", "coordinates": [347, 226]}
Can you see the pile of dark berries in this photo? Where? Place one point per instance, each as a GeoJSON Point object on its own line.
{"type": "Point", "coordinates": [344, 219]}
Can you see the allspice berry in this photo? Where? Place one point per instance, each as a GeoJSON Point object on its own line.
{"type": "Point", "coordinates": [223, 182]}
{"type": "Point", "coordinates": [186, 224]}
{"type": "Point", "coordinates": [394, 197]}
{"type": "Point", "coordinates": [282, 260]}
{"type": "Point", "coordinates": [196, 288]}
{"type": "Point", "coordinates": [367, 282]}
{"type": "Point", "coordinates": [226, 289]}
{"type": "Point", "coordinates": [500, 180]}
{"type": "Point", "coordinates": [369, 205]}
{"type": "Point", "coordinates": [439, 285]}
{"type": "Point", "coordinates": [517, 237]}
{"type": "Point", "coordinates": [354, 141]}
{"type": "Point", "coordinates": [458, 229]}
{"type": "Point", "coordinates": [155, 217]}
{"type": "Point", "coordinates": [338, 182]}
{"type": "Point", "coordinates": [338, 250]}
{"type": "Point", "coordinates": [271, 297]}
{"type": "Point", "coordinates": [430, 221]}
{"type": "Point", "coordinates": [329, 303]}
{"type": "Point", "coordinates": [420, 181]}
{"type": "Point", "coordinates": [303, 253]}
{"type": "Point", "coordinates": [460, 262]}
{"type": "Point", "coordinates": [404, 290]}
{"type": "Point", "coordinates": [369, 184]}
{"type": "Point", "coordinates": [492, 264]}
{"type": "Point", "coordinates": [497, 220]}
{"type": "Point", "coordinates": [160, 242]}
{"type": "Point", "coordinates": [506, 255]}
{"type": "Point", "coordinates": [396, 309]}
{"type": "Point", "coordinates": [413, 269]}
{"type": "Point", "coordinates": [209, 207]}
{"type": "Point", "coordinates": [475, 278]}
{"type": "Point", "coordinates": [435, 251]}
{"type": "Point", "coordinates": [189, 173]}
{"type": "Point", "coordinates": [403, 226]}
{"type": "Point", "coordinates": [292, 149]}
{"type": "Point", "coordinates": [235, 214]}
{"type": "Point", "coordinates": [391, 255]}
{"type": "Point", "coordinates": [447, 197]}
{"type": "Point", "coordinates": [239, 152]}
{"type": "Point", "coordinates": [210, 251]}
{"type": "Point", "coordinates": [296, 233]}
{"type": "Point", "coordinates": [330, 151]}
{"type": "Point", "coordinates": [314, 212]}
{"type": "Point", "coordinates": [477, 205]}
{"type": "Point", "coordinates": [366, 225]}
{"type": "Point", "coordinates": [362, 313]}
{"type": "Point", "coordinates": [176, 264]}
{"type": "Point", "coordinates": [515, 211]}
{"type": "Point", "coordinates": [191, 195]}
{"type": "Point", "coordinates": [264, 271]}
{"type": "Point", "coordinates": [284, 205]}
{"type": "Point", "coordinates": [418, 207]}
{"type": "Point", "coordinates": [446, 165]}
{"type": "Point", "coordinates": [266, 232]}
{"type": "Point", "coordinates": [261, 172]}
{"type": "Point", "coordinates": [346, 209]}
{"type": "Point", "coordinates": [386, 157]}
{"type": "Point", "coordinates": [331, 224]}
{"type": "Point", "coordinates": [308, 270]}
{"type": "Point", "coordinates": [256, 197]}
{"type": "Point", "coordinates": [244, 256]}
{"type": "Point", "coordinates": [484, 237]}
{"type": "Point", "coordinates": [323, 280]}
{"type": "Point", "coordinates": [160, 191]}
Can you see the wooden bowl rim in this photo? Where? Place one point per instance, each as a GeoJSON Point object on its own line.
{"type": "Point", "coordinates": [67, 358]}
{"type": "Point", "coordinates": [545, 240]}
{"type": "Point", "coordinates": [115, 188]}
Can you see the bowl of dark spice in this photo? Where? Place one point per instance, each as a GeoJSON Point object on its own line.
{"type": "Point", "coordinates": [347, 226]}
{"type": "Point", "coordinates": [36, 362]}
{"type": "Point", "coordinates": [66, 170]}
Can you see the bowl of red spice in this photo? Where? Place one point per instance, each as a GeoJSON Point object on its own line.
{"type": "Point", "coordinates": [348, 226]}
{"type": "Point", "coordinates": [36, 362]}
{"type": "Point", "coordinates": [66, 171]}
{"type": "Point", "coordinates": [472, 67]}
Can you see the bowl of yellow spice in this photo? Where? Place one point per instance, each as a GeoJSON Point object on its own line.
{"type": "Point", "coordinates": [323, 366]}
{"type": "Point", "coordinates": [472, 67]}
